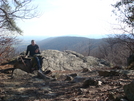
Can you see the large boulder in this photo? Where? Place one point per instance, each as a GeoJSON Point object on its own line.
{"type": "Point", "coordinates": [130, 62]}
{"type": "Point", "coordinates": [129, 91]}
{"type": "Point", "coordinates": [130, 59]}
{"type": "Point", "coordinates": [18, 73]}
{"type": "Point", "coordinates": [68, 60]}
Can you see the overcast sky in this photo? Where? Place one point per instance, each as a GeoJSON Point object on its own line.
{"type": "Point", "coordinates": [87, 18]}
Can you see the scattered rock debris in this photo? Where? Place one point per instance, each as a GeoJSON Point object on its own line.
{"type": "Point", "coordinates": [81, 86]}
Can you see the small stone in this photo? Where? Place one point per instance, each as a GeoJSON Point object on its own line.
{"type": "Point", "coordinates": [123, 100]}
{"type": "Point", "coordinates": [69, 78]}
{"type": "Point", "coordinates": [85, 70]}
{"type": "Point", "coordinates": [73, 75]}
{"type": "Point", "coordinates": [89, 82]}
{"type": "Point", "coordinates": [99, 83]}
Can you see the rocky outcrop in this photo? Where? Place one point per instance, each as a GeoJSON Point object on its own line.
{"type": "Point", "coordinates": [69, 60]}
{"type": "Point", "coordinates": [129, 91]}
{"type": "Point", "coordinates": [67, 85]}
{"type": "Point", "coordinates": [61, 60]}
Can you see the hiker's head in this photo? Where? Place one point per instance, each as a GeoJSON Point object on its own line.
{"type": "Point", "coordinates": [33, 42]}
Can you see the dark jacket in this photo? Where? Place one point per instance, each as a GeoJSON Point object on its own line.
{"type": "Point", "coordinates": [32, 49]}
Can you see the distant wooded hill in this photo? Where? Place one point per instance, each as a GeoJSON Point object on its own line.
{"type": "Point", "coordinates": [78, 44]}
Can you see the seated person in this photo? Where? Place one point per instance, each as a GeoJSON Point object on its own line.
{"type": "Point", "coordinates": [33, 51]}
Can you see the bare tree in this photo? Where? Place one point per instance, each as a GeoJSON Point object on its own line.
{"type": "Point", "coordinates": [114, 51]}
{"type": "Point", "coordinates": [90, 47]}
{"type": "Point", "coordinates": [124, 9]}
{"type": "Point", "coordinates": [6, 46]}
{"type": "Point", "coordinates": [103, 52]}
{"type": "Point", "coordinates": [10, 12]}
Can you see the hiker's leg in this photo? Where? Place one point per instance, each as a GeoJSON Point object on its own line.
{"type": "Point", "coordinates": [41, 60]}
{"type": "Point", "coordinates": [33, 59]}
{"type": "Point", "coordinates": [38, 63]}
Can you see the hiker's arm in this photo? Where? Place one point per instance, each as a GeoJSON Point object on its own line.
{"type": "Point", "coordinates": [37, 50]}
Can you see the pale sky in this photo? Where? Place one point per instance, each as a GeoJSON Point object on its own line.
{"type": "Point", "coordinates": [87, 18]}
